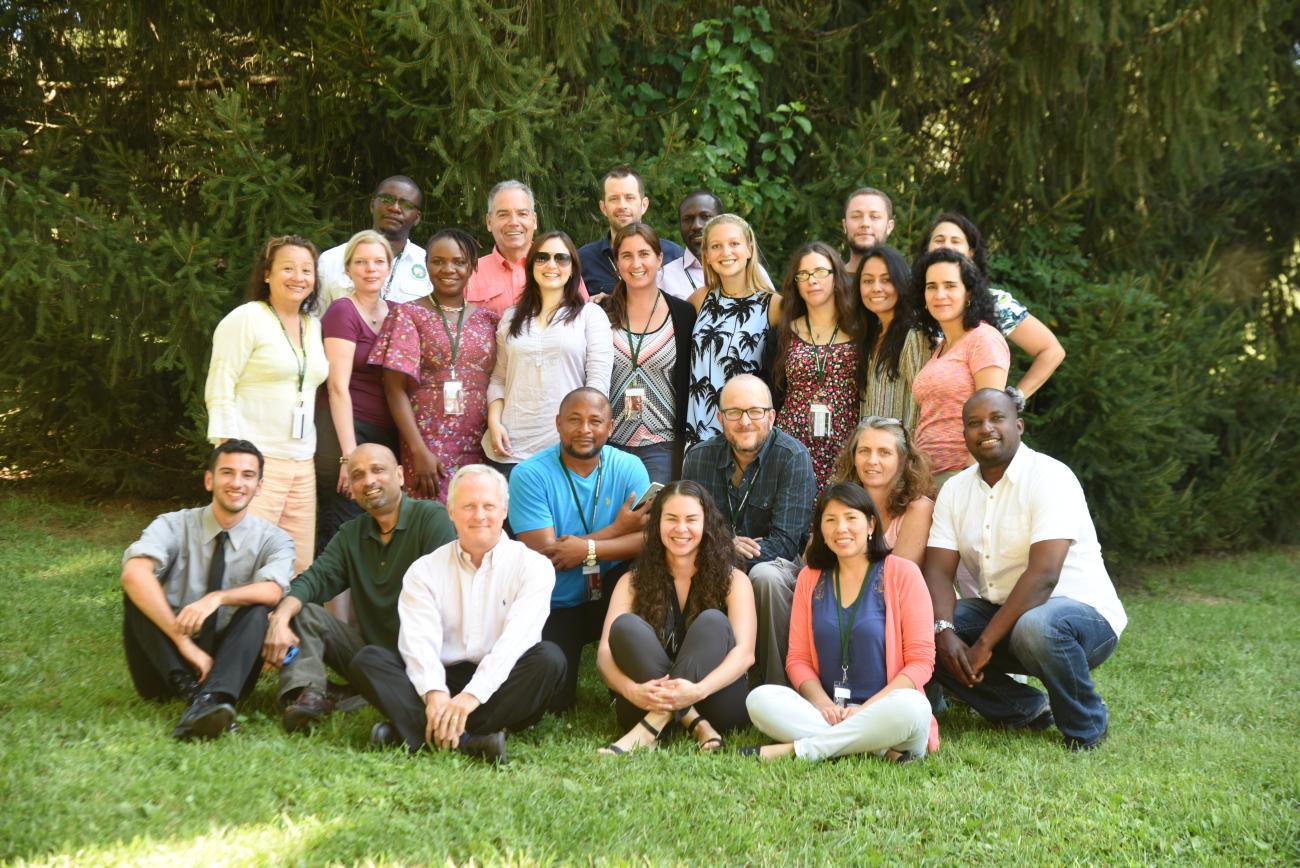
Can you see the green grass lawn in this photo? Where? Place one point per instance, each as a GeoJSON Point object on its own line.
{"type": "Point", "coordinates": [1201, 764]}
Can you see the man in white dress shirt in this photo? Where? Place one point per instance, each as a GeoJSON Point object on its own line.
{"type": "Point", "coordinates": [682, 276]}
{"type": "Point", "coordinates": [1019, 522]}
{"type": "Point", "coordinates": [472, 662]}
{"type": "Point", "coordinates": [395, 211]}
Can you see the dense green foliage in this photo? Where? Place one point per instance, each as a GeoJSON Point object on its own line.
{"type": "Point", "coordinates": [1134, 164]}
{"type": "Point", "coordinates": [1202, 765]}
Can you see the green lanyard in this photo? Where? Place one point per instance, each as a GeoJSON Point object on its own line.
{"type": "Point", "coordinates": [300, 362]}
{"type": "Point", "coordinates": [635, 346]}
{"type": "Point", "coordinates": [454, 341]}
{"type": "Point", "coordinates": [846, 637]}
{"type": "Point", "coordinates": [821, 354]}
{"type": "Point", "coordinates": [573, 489]}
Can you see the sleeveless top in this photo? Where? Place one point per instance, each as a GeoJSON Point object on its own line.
{"type": "Point", "coordinates": [730, 337]}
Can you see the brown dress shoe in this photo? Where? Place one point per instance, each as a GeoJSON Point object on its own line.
{"type": "Point", "coordinates": [309, 709]}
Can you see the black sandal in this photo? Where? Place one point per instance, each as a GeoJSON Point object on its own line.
{"type": "Point", "coordinates": [613, 749]}
{"type": "Point", "coordinates": [715, 740]}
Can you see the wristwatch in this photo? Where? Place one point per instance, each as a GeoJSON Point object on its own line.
{"type": "Point", "coordinates": [941, 625]}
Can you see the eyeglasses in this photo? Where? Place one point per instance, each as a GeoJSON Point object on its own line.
{"type": "Point", "coordinates": [805, 276]}
{"type": "Point", "coordinates": [390, 200]}
{"type": "Point", "coordinates": [733, 414]}
{"type": "Point", "coordinates": [560, 258]}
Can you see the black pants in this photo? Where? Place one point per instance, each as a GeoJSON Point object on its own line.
{"type": "Point", "coordinates": [572, 629]}
{"type": "Point", "coordinates": [521, 700]}
{"type": "Point", "coordinates": [637, 652]}
{"type": "Point", "coordinates": [236, 653]}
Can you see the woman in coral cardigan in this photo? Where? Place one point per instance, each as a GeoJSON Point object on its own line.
{"type": "Point", "coordinates": [861, 646]}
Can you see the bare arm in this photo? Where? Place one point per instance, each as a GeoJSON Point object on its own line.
{"type": "Point", "coordinates": [339, 353]}
{"type": "Point", "coordinates": [915, 532]}
{"type": "Point", "coordinates": [744, 625]}
{"type": "Point", "coordinates": [1033, 588]}
{"type": "Point", "coordinates": [991, 378]}
{"type": "Point", "coordinates": [428, 468]}
{"type": "Point", "coordinates": [1040, 342]}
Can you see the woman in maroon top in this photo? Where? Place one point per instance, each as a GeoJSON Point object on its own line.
{"type": "Point", "coordinates": [431, 351]}
{"type": "Point", "coordinates": [358, 412]}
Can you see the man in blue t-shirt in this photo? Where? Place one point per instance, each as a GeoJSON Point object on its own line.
{"type": "Point", "coordinates": [573, 503]}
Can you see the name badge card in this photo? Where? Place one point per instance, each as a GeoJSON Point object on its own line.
{"type": "Point", "coordinates": [819, 419]}
{"type": "Point", "coordinates": [298, 428]}
{"type": "Point", "coordinates": [453, 398]}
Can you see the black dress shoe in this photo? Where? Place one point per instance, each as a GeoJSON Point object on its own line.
{"type": "Point", "coordinates": [309, 709]}
{"type": "Point", "coordinates": [384, 735]}
{"type": "Point", "coordinates": [491, 747]}
{"type": "Point", "coordinates": [208, 716]}
{"type": "Point", "coordinates": [184, 685]}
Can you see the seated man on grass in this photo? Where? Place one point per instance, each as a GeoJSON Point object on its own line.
{"type": "Point", "coordinates": [1019, 522]}
{"type": "Point", "coordinates": [573, 504]}
{"type": "Point", "coordinates": [368, 556]}
{"type": "Point", "coordinates": [472, 662]}
{"type": "Point", "coordinates": [198, 585]}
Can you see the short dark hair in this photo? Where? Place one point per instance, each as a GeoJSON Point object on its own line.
{"type": "Point", "coordinates": [982, 308]}
{"type": "Point", "coordinates": [466, 242]}
{"type": "Point", "coordinates": [260, 290]}
{"type": "Point", "coordinates": [234, 447]}
{"type": "Point", "coordinates": [820, 556]}
{"type": "Point", "coordinates": [401, 179]}
{"type": "Point", "coordinates": [582, 391]}
{"type": "Point", "coordinates": [623, 172]}
{"type": "Point", "coordinates": [702, 192]}
{"type": "Point", "coordinates": [871, 191]}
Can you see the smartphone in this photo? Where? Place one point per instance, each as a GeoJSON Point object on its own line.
{"type": "Point", "coordinates": [654, 489]}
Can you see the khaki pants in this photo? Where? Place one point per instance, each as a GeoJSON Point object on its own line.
{"type": "Point", "coordinates": [288, 500]}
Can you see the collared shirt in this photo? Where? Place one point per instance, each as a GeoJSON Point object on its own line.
{"type": "Point", "coordinates": [1038, 498]}
{"type": "Point", "coordinates": [408, 280]}
{"type": "Point", "coordinates": [358, 559]}
{"type": "Point", "coordinates": [540, 497]}
{"type": "Point", "coordinates": [181, 545]}
{"type": "Point", "coordinates": [498, 282]}
{"type": "Point", "coordinates": [453, 612]}
{"type": "Point", "coordinates": [599, 269]}
{"type": "Point", "coordinates": [777, 489]}
{"type": "Point", "coordinates": [681, 277]}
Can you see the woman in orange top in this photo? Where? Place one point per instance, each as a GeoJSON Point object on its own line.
{"type": "Point", "coordinates": [861, 646]}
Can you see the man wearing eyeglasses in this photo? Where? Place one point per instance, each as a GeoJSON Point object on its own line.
{"type": "Point", "coordinates": [762, 480]}
{"type": "Point", "coordinates": [623, 202]}
{"type": "Point", "coordinates": [395, 210]}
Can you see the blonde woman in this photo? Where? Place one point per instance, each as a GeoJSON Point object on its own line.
{"type": "Point", "coordinates": [736, 307]}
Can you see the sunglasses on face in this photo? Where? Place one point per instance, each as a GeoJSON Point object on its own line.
{"type": "Point", "coordinates": [390, 200]}
{"type": "Point", "coordinates": [560, 258]}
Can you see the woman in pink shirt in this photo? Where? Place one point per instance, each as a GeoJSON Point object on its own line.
{"type": "Point", "coordinates": [861, 646]}
{"type": "Point", "coordinates": [955, 305]}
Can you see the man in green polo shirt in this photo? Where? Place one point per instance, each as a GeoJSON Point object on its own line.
{"type": "Point", "coordinates": [368, 556]}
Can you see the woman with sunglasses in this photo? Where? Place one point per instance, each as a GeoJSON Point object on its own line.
{"type": "Point", "coordinates": [817, 355]}
{"type": "Point", "coordinates": [861, 646]}
{"type": "Point", "coordinates": [879, 457]}
{"type": "Point", "coordinates": [548, 344]}
{"type": "Point", "coordinates": [894, 348]}
{"type": "Point", "coordinates": [652, 356]}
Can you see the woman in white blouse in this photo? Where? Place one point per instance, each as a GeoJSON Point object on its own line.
{"type": "Point", "coordinates": [267, 360]}
{"type": "Point", "coordinates": [550, 343]}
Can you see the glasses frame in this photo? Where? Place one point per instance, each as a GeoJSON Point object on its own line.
{"type": "Point", "coordinates": [561, 258]}
{"type": "Point", "coordinates": [820, 273]}
{"type": "Point", "coordinates": [390, 199]}
{"type": "Point", "coordinates": [754, 413]}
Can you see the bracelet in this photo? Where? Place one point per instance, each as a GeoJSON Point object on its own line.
{"type": "Point", "coordinates": [343, 460]}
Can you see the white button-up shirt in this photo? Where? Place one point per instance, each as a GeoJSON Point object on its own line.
{"type": "Point", "coordinates": [1038, 498]}
{"type": "Point", "coordinates": [452, 612]}
{"type": "Point", "coordinates": [407, 280]}
{"type": "Point", "coordinates": [682, 277]}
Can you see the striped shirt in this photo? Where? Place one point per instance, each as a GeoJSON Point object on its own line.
{"type": "Point", "coordinates": [656, 360]}
{"type": "Point", "coordinates": [892, 397]}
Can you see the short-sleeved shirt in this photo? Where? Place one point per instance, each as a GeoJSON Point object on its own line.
{"type": "Point", "coordinates": [366, 385]}
{"type": "Point", "coordinates": [407, 280]}
{"type": "Point", "coordinates": [358, 559]}
{"type": "Point", "coordinates": [944, 385]}
{"type": "Point", "coordinates": [598, 268]}
{"type": "Point", "coordinates": [540, 498]}
{"type": "Point", "coordinates": [181, 545]}
{"type": "Point", "coordinates": [497, 283]}
{"type": "Point", "coordinates": [991, 528]}
{"type": "Point", "coordinates": [1008, 312]}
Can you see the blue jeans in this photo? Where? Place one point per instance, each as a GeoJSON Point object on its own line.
{"type": "Point", "coordinates": [657, 458]}
{"type": "Point", "coordinates": [1059, 643]}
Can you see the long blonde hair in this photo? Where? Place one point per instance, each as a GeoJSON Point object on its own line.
{"type": "Point", "coordinates": [753, 275]}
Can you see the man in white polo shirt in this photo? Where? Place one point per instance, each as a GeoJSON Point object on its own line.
{"type": "Point", "coordinates": [1019, 522]}
{"type": "Point", "coordinates": [395, 210]}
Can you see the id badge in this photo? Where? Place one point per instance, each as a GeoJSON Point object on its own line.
{"type": "Point", "coordinates": [633, 401]}
{"type": "Point", "coordinates": [453, 398]}
{"type": "Point", "coordinates": [819, 418]}
{"type": "Point", "coordinates": [298, 428]}
{"type": "Point", "coordinates": [591, 572]}
{"type": "Point", "coordinates": [842, 694]}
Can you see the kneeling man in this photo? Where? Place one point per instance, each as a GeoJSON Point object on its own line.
{"type": "Point", "coordinates": [472, 661]}
{"type": "Point", "coordinates": [1019, 522]}
{"type": "Point", "coordinates": [198, 586]}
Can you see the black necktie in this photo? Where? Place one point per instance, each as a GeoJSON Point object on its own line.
{"type": "Point", "coordinates": [216, 574]}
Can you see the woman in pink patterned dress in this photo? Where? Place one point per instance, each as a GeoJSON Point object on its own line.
{"type": "Point", "coordinates": [817, 355]}
{"type": "Point", "coordinates": [437, 353]}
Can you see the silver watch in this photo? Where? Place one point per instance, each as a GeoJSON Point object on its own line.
{"type": "Point", "coordinates": [941, 625]}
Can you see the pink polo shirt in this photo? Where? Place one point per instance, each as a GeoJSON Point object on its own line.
{"type": "Point", "coordinates": [497, 283]}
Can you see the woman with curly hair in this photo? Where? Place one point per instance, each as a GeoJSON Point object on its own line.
{"type": "Point", "coordinates": [861, 646]}
{"type": "Point", "coordinates": [953, 298]}
{"type": "Point", "coordinates": [679, 636]}
{"type": "Point", "coordinates": [878, 457]}
{"type": "Point", "coordinates": [894, 347]}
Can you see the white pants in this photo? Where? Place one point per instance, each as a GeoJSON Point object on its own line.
{"type": "Point", "coordinates": [900, 720]}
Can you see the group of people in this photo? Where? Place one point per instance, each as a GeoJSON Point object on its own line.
{"type": "Point", "coordinates": [761, 506]}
